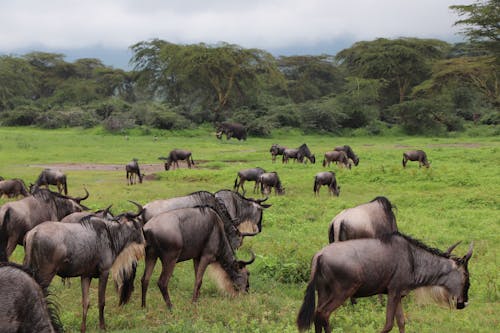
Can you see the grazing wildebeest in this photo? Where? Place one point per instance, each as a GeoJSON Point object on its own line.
{"type": "Point", "coordinates": [53, 177]}
{"type": "Point", "coordinates": [13, 188]}
{"type": "Point", "coordinates": [394, 264]}
{"type": "Point", "coordinates": [350, 153]}
{"type": "Point", "coordinates": [268, 180]}
{"type": "Point", "coordinates": [232, 130]}
{"type": "Point", "coordinates": [190, 233]}
{"type": "Point", "coordinates": [175, 156]}
{"type": "Point", "coordinates": [416, 155]}
{"type": "Point", "coordinates": [18, 217]}
{"type": "Point", "coordinates": [132, 171]}
{"type": "Point", "coordinates": [326, 178]}
{"type": "Point", "coordinates": [337, 157]}
{"type": "Point", "coordinates": [276, 150]}
{"type": "Point", "coordinates": [92, 248]}
{"type": "Point", "coordinates": [298, 154]}
{"type": "Point", "coordinates": [24, 306]}
{"type": "Point", "coordinates": [244, 175]}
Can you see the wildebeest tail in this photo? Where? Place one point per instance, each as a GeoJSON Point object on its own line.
{"type": "Point", "coordinates": [65, 187]}
{"type": "Point", "coordinates": [306, 312]}
{"type": "Point", "coordinates": [236, 182]}
{"type": "Point", "coordinates": [3, 235]}
{"type": "Point", "coordinates": [331, 233]}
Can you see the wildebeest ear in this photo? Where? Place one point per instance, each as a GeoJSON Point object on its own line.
{"type": "Point", "coordinates": [469, 253]}
{"type": "Point", "coordinates": [451, 248]}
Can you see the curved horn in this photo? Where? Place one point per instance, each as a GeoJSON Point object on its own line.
{"type": "Point", "coordinates": [451, 248]}
{"type": "Point", "coordinates": [469, 253]}
{"type": "Point", "coordinates": [259, 201]}
{"type": "Point", "coordinates": [107, 211]}
{"type": "Point", "coordinates": [82, 198]}
{"type": "Point", "coordinates": [139, 207]}
{"type": "Point", "coordinates": [244, 263]}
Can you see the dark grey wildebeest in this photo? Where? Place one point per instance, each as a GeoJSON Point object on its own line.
{"type": "Point", "coordinates": [92, 248]}
{"type": "Point", "coordinates": [276, 150]}
{"type": "Point", "coordinates": [18, 217]}
{"type": "Point", "coordinates": [350, 153]}
{"type": "Point", "coordinates": [231, 130]}
{"type": "Point", "coordinates": [244, 175]}
{"type": "Point", "coordinates": [176, 155]}
{"type": "Point", "coordinates": [190, 233]}
{"type": "Point", "coordinates": [24, 306]}
{"type": "Point", "coordinates": [268, 180]}
{"type": "Point", "coordinates": [337, 157]}
{"type": "Point", "coordinates": [13, 188]}
{"type": "Point", "coordinates": [299, 154]}
{"type": "Point", "coordinates": [416, 155]}
{"type": "Point", "coordinates": [133, 171]}
{"type": "Point", "coordinates": [53, 177]}
{"type": "Point", "coordinates": [326, 178]}
{"type": "Point", "coordinates": [393, 265]}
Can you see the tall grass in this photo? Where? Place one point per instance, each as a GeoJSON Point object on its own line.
{"type": "Point", "coordinates": [457, 198]}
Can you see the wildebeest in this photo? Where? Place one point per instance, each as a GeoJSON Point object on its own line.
{"type": "Point", "coordinates": [394, 264]}
{"type": "Point", "coordinates": [24, 306]}
{"type": "Point", "coordinates": [78, 216]}
{"type": "Point", "coordinates": [276, 150]}
{"type": "Point", "coordinates": [368, 220]}
{"type": "Point", "coordinates": [244, 175]}
{"type": "Point", "coordinates": [18, 217]}
{"type": "Point", "coordinates": [92, 248]}
{"type": "Point", "coordinates": [132, 171]}
{"type": "Point", "coordinates": [350, 153]}
{"type": "Point", "coordinates": [298, 154]}
{"type": "Point", "coordinates": [177, 155]}
{"type": "Point", "coordinates": [190, 233]}
{"type": "Point", "coordinates": [231, 130]}
{"type": "Point", "coordinates": [337, 157]}
{"type": "Point", "coordinates": [268, 180]}
{"type": "Point", "coordinates": [53, 177]}
{"type": "Point", "coordinates": [416, 155]}
{"type": "Point", "coordinates": [326, 178]}
{"type": "Point", "coordinates": [13, 188]}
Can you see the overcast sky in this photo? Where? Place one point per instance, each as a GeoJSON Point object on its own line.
{"type": "Point", "coordinates": [106, 28]}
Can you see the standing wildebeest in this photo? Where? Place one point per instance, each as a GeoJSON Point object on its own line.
{"type": "Point", "coordinates": [24, 306]}
{"type": "Point", "coordinates": [269, 180]}
{"type": "Point", "coordinates": [252, 174]}
{"type": "Point", "coordinates": [232, 130]}
{"type": "Point", "coordinates": [190, 233]}
{"type": "Point", "coordinates": [175, 156]}
{"type": "Point", "coordinates": [337, 157]}
{"type": "Point", "coordinates": [133, 171]}
{"type": "Point", "coordinates": [89, 249]}
{"type": "Point", "coordinates": [276, 150]}
{"type": "Point", "coordinates": [416, 155]}
{"type": "Point", "coordinates": [326, 178]}
{"type": "Point", "coordinates": [18, 217]}
{"type": "Point", "coordinates": [299, 154]}
{"type": "Point", "coordinates": [13, 188]}
{"type": "Point", "coordinates": [350, 153]}
{"type": "Point", "coordinates": [394, 264]}
{"type": "Point", "coordinates": [53, 177]}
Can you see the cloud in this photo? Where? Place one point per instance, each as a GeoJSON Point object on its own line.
{"type": "Point", "coordinates": [266, 24]}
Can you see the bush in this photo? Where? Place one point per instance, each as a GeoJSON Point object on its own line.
{"type": "Point", "coordinates": [21, 116]}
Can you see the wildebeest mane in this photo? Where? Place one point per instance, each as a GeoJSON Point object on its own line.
{"type": "Point", "coordinates": [387, 238]}
{"type": "Point", "coordinates": [388, 209]}
{"type": "Point", "coordinates": [52, 306]}
{"type": "Point", "coordinates": [238, 207]}
{"type": "Point", "coordinates": [304, 150]}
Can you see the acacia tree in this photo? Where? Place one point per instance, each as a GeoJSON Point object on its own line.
{"type": "Point", "coordinates": [17, 81]}
{"type": "Point", "coordinates": [401, 63]}
{"type": "Point", "coordinates": [218, 76]}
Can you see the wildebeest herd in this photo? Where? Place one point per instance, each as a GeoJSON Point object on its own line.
{"type": "Point", "coordinates": [367, 254]}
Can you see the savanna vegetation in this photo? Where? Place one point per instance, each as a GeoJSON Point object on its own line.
{"type": "Point", "coordinates": [424, 86]}
{"type": "Point", "coordinates": [457, 198]}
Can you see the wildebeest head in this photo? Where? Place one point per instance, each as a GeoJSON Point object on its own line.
{"type": "Point", "coordinates": [459, 284]}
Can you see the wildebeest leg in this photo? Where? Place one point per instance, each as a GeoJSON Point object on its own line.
{"type": "Point", "coordinates": [242, 181]}
{"type": "Point", "coordinates": [150, 262]}
{"type": "Point", "coordinates": [393, 301]}
{"type": "Point", "coordinates": [168, 264]}
{"type": "Point", "coordinates": [103, 280]}
{"type": "Point", "coordinates": [85, 281]}
{"type": "Point", "coordinates": [400, 317]}
{"type": "Point", "coordinates": [328, 301]}
{"type": "Point", "coordinates": [11, 245]}
{"type": "Point", "coordinates": [200, 265]}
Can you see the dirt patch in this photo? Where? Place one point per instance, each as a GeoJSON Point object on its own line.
{"type": "Point", "coordinates": [146, 168]}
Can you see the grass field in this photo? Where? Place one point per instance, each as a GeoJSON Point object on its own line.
{"type": "Point", "coordinates": [457, 198]}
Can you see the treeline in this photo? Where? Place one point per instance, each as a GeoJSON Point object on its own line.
{"type": "Point", "coordinates": [422, 85]}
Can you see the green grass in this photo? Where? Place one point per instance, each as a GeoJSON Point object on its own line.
{"type": "Point", "coordinates": [456, 199]}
